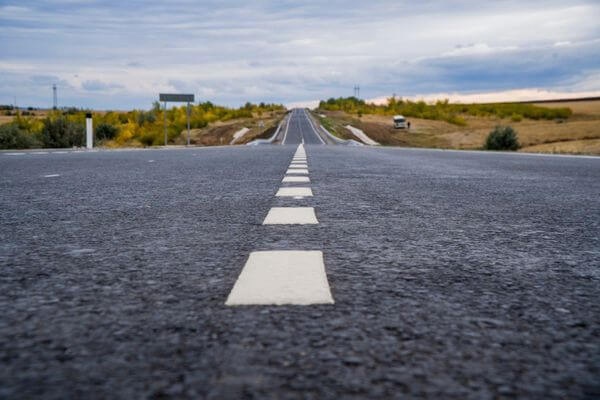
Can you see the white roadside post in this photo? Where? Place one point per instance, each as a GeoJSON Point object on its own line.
{"type": "Point", "coordinates": [89, 132]}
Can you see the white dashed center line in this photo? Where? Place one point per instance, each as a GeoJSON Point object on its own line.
{"type": "Point", "coordinates": [297, 171]}
{"type": "Point", "coordinates": [52, 176]}
{"type": "Point", "coordinates": [291, 216]}
{"type": "Point", "coordinates": [285, 276]}
{"type": "Point", "coordinates": [294, 179]}
{"type": "Point", "coordinates": [294, 191]}
{"type": "Point", "coordinates": [282, 277]}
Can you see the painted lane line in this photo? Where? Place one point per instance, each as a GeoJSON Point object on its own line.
{"type": "Point", "coordinates": [295, 179]}
{"type": "Point", "coordinates": [296, 171]}
{"type": "Point", "coordinates": [298, 166]}
{"type": "Point", "coordinates": [52, 176]}
{"type": "Point", "coordinates": [282, 277]}
{"type": "Point", "coordinates": [294, 192]}
{"type": "Point", "coordinates": [291, 216]}
{"type": "Point", "coordinates": [312, 127]}
{"type": "Point", "coordinates": [287, 126]}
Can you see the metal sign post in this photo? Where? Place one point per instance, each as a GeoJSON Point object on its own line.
{"type": "Point", "coordinates": [188, 123]}
{"type": "Point", "coordinates": [180, 98]}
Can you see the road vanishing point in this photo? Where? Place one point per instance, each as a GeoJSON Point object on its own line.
{"type": "Point", "coordinates": [304, 270]}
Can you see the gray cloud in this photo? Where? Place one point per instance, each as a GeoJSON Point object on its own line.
{"type": "Point", "coordinates": [97, 86]}
{"type": "Point", "coordinates": [231, 52]}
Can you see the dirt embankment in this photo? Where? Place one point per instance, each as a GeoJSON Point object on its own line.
{"type": "Point", "coordinates": [580, 134]}
{"type": "Point", "coordinates": [221, 133]}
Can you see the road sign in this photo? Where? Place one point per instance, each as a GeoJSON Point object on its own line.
{"type": "Point", "coordinates": [176, 97]}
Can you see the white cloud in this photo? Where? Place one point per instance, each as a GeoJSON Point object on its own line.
{"type": "Point", "coordinates": [237, 51]}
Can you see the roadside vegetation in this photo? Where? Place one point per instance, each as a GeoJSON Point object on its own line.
{"type": "Point", "coordinates": [502, 138]}
{"type": "Point", "coordinates": [442, 110]}
{"type": "Point", "coordinates": [541, 127]}
{"type": "Point", "coordinates": [66, 128]}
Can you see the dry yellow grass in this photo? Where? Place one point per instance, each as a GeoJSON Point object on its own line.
{"type": "Point", "coordinates": [590, 146]}
{"type": "Point", "coordinates": [579, 134]}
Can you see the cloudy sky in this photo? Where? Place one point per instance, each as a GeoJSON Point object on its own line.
{"type": "Point", "coordinates": [121, 54]}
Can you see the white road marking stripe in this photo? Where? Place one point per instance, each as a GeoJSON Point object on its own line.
{"type": "Point", "coordinates": [297, 171]}
{"type": "Point", "coordinates": [312, 127]}
{"type": "Point", "coordinates": [296, 166]}
{"type": "Point", "coordinates": [52, 176]}
{"type": "Point", "coordinates": [291, 216]}
{"type": "Point", "coordinates": [282, 277]}
{"type": "Point", "coordinates": [287, 126]}
{"type": "Point", "coordinates": [294, 179]}
{"type": "Point", "coordinates": [294, 191]}
{"type": "Point", "coordinates": [15, 154]}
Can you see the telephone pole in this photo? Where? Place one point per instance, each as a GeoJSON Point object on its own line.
{"type": "Point", "coordinates": [357, 91]}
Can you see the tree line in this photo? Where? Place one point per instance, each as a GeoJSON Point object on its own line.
{"type": "Point", "coordinates": [66, 128]}
{"type": "Point", "coordinates": [443, 110]}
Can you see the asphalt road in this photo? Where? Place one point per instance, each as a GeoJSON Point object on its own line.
{"type": "Point", "coordinates": [455, 275]}
{"type": "Point", "coordinates": [299, 129]}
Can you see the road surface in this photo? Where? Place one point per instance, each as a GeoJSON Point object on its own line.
{"type": "Point", "coordinates": [455, 275]}
{"type": "Point", "coordinates": [300, 129]}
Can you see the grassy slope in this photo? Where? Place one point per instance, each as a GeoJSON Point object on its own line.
{"type": "Point", "coordinates": [580, 134]}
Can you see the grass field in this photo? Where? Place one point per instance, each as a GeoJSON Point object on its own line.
{"type": "Point", "coordinates": [579, 134]}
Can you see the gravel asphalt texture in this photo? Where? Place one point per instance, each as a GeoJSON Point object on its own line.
{"type": "Point", "coordinates": [455, 275]}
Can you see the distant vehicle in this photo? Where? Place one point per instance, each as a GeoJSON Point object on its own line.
{"type": "Point", "coordinates": [399, 122]}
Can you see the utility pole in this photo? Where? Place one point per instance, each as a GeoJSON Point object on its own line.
{"type": "Point", "coordinates": [54, 97]}
{"type": "Point", "coordinates": [357, 91]}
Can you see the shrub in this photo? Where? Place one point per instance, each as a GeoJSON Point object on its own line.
{"type": "Point", "coordinates": [516, 117]}
{"type": "Point", "coordinates": [106, 131]}
{"type": "Point", "coordinates": [61, 132]}
{"type": "Point", "coordinates": [502, 138]}
{"type": "Point", "coordinates": [12, 137]}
